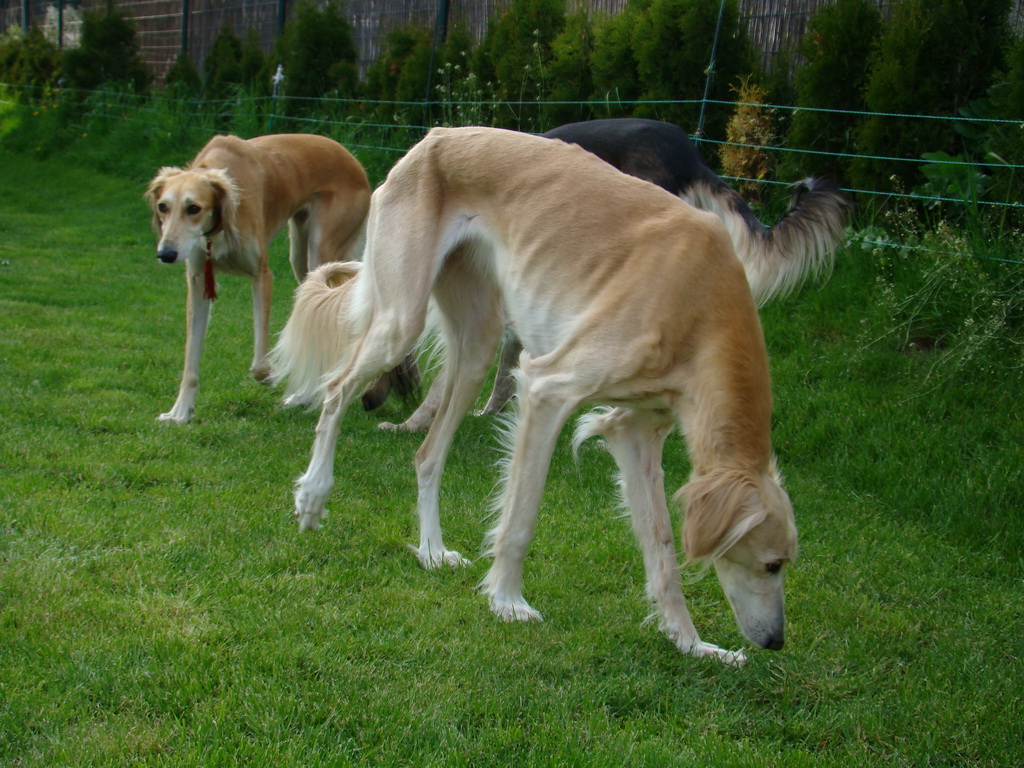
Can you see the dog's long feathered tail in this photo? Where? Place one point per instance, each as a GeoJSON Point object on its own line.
{"type": "Point", "coordinates": [317, 338]}
{"type": "Point", "coordinates": [802, 244]}
{"type": "Point", "coordinates": [313, 341]}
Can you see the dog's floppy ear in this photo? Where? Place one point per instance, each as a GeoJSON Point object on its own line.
{"type": "Point", "coordinates": [227, 196]}
{"type": "Point", "coordinates": [721, 508]}
{"type": "Point", "coordinates": [156, 188]}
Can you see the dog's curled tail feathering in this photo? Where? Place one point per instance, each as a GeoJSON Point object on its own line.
{"type": "Point", "coordinates": [313, 342]}
{"type": "Point", "coordinates": [318, 337]}
{"type": "Point", "coordinates": [801, 244]}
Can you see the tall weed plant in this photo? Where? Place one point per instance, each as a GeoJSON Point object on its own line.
{"type": "Point", "coordinates": [950, 291]}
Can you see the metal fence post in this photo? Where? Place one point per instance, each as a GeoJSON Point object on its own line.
{"type": "Point", "coordinates": [184, 26]}
{"type": "Point", "coordinates": [282, 12]}
{"type": "Point", "coordinates": [440, 35]}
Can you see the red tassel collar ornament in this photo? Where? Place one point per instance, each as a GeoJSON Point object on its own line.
{"type": "Point", "coordinates": [209, 283]}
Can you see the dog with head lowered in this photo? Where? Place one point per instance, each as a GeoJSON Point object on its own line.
{"type": "Point", "coordinates": [623, 296]}
{"type": "Point", "coordinates": [220, 213]}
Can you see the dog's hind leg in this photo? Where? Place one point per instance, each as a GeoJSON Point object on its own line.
{"type": "Point", "coordinates": [504, 380]}
{"type": "Point", "coordinates": [504, 389]}
{"type": "Point", "coordinates": [262, 287]}
{"type": "Point", "coordinates": [471, 326]}
{"type": "Point", "coordinates": [636, 438]}
{"type": "Point", "coordinates": [299, 244]}
{"type": "Point", "coordinates": [543, 410]}
{"type": "Point", "coordinates": [197, 318]}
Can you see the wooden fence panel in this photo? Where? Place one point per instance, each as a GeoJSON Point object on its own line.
{"type": "Point", "coordinates": [775, 26]}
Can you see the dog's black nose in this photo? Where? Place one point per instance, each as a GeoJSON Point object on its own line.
{"type": "Point", "coordinates": [168, 256]}
{"type": "Point", "coordinates": [775, 643]}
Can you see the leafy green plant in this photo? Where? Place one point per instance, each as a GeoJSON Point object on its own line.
{"type": "Point", "coordinates": [28, 59]}
{"type": "Point", "coordinates": [835, 50]}
{"type": "Point", "coordinates": [934, 57]}
{"type": "Point", "coordinates": [222, 68]}
{"type": "Point", "coordinates": [570, 84]}
{"type": "Point", "coordinates": [612, 63]}
{"type": "Point", "coordinates": [517, 50]}
{"type": "Point", "coordinates": [318, 55]}
{"type": "Point", "coordinates": [183, 79]}
{"type": "Point", "coordinates": [107, 55]}
{"type": "Point", "coordinates": [1005, 140]}
{"type": "Point", "coordinates": [673, 44]}
{"type": "Point", "coordinates": [400, 74]}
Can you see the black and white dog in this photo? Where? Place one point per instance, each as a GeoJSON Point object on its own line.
{"type": "Point", "coordinates": [776, 258]}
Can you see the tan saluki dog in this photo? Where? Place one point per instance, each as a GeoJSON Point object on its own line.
{"type": "Point", "coordinates": [776, 258]}
{"type": "Point", "coordinates": [622, 295]}
{"type": "Point", "coordinates": [220, 213]}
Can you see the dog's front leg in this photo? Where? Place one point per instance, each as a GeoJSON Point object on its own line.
{"type": "Point", "coordinates": [313, 488]}
{"type": "Point", "coordinates": [261, 290]}
{"type": "Point", "coordinates": [636, 438]}
{"type": "Point", "coordinates": [534, 435]}
{"type": "Point", "coordinates": [197, 317]}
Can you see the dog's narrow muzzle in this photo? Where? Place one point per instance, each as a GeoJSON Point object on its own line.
{"type": "Point", "coordinates": [167, 255]}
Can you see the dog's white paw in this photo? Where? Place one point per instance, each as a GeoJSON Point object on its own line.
{"type": "Point", "coordinates": [433, 559]}
{"type": "Point", "coordinates": [732, 658]}
{"type": "Point", "coordinates": [412, 424]}
{"type": "Point", "coordinates": [177, 415]}
{"type": "Point", "coordinates": [694, 646]}
{"type": "Point", "coordinates": [513, 609]}
{"type": "Point", "coordinates": [309, 509]}
{"type": "Point", "coordinates": [309, 522]}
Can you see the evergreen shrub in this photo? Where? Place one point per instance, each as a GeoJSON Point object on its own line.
{"type": "Point", "coordinates": [28, 59]}
{"type": "Point", "coordinates": [515, 54]}
{"type": "Point", "coordinates": [318, 54]}
{"type": "Point", "coordinates": [108, 55]}
{"type": "Point", "coordinates": [833, 75]}
{"type": "Point", "coordinates": [933, 58]}
{"type": "Point", "coordinates": [613, 67]}
{"type": "Point", "coordinates": [672, 42]}
{"type": "Point", "coordinates": [570, 85]}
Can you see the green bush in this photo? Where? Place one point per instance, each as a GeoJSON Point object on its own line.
{"type": "Point", "coordinates": [673, 43]}
{"type": "Point", "coordinates": [515, 54]}
{"type": "Point", "coordinates": [107, 55]}
{"type": "Point", "coordinates": [568, 72]}
{"type": "Point", "coordinates": [659, 50]}
{"type": "Point", "coordinates": [400, 75]}
{"type": "Point", "coordinates": [1006, 140]}
{"type": "Point", "coordinates": [933, 58]}
{"type": "Point", "coordinates": [183, 79]}
{"type": "Point", "coordinates": [318, 54]}
{"type": "Point", "coordinates": [253, 65]}
{"type": "Point", "coordinates": [222, 68]}
{"type": "Point", "coordinates": [28, 59]}
{"type": "Point", "coordinates": [612, 64]}
{"type": "Point", "coordinates": [834, 72]}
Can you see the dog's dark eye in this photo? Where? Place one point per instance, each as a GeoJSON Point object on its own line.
{"type": "Point", "coordinates": [162, 207]}
{"type": "Point", "coordinates": [773, 567]}
{"type": "Point", "coordinates": [193, 209]}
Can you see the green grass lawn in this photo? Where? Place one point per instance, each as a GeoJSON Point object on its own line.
{"type": "Point", "coordinates": [158, 607]}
